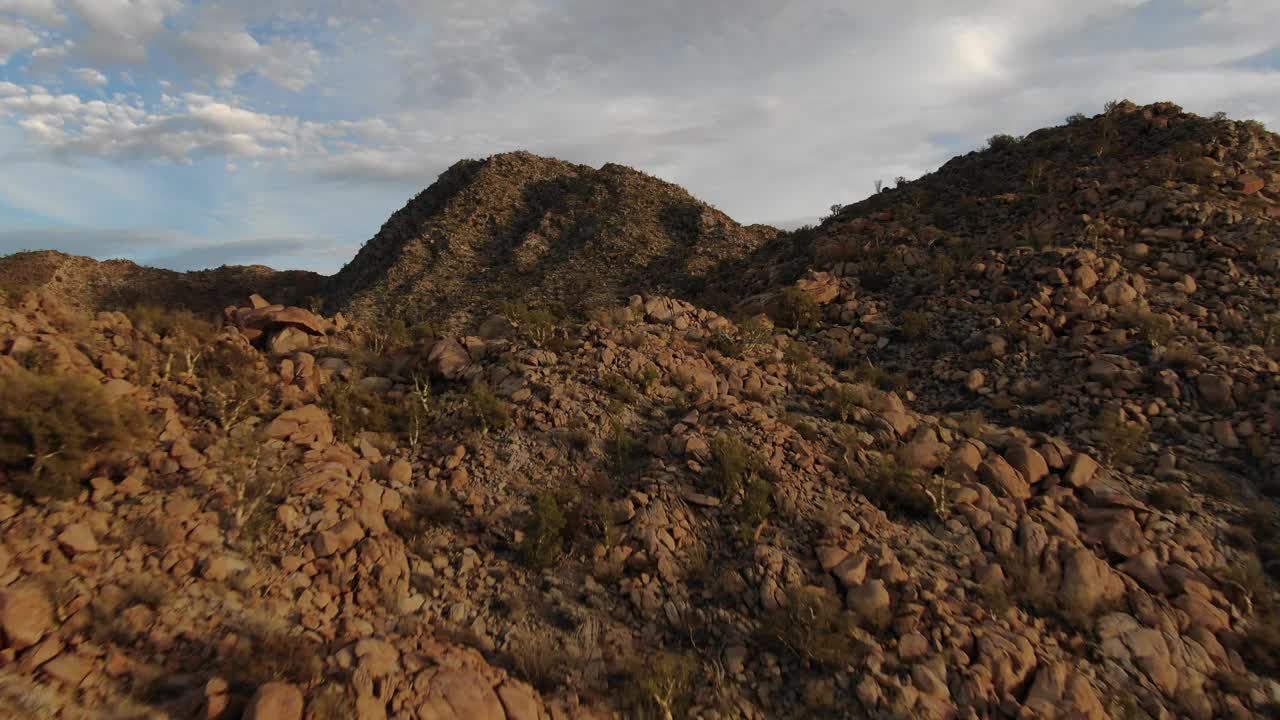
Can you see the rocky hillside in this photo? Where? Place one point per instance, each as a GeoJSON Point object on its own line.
{"type": "Point", "coordinates": [522, 229]}
{"type": "Point", "coordinates": [999, 443]}
{"type": "Point", "coordinates": [89, 284]}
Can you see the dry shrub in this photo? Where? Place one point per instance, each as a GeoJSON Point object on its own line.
{"type": "Point", "coordinates": [797, 309]}
{"type": "Point", "coordinates": [814, 626]}
{"type": "Point", "coordinates": [1170, 498]}
{"type": "Point", "coordinates": [53, 426]}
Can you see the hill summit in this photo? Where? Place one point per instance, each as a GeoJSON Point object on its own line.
{"type": "Point", "coordinates": [522, 229]}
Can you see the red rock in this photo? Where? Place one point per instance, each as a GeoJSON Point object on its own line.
{"type": "Point", "coordinates": [68, 668]}
{"type": "Point", "coordinates": [1029, 462]}
{"type": "Point", "coordinates": [461, 694]}
{"type": "Point", "coordinates": [999, 474]}
{"type": "Point", "coordinates": [1081, 470]}
{"type": "Point", "coordinates": [25, 616]}
{"type": "Point", "coordinates": [77, 537]}
{"type": "Point", "coordinates": [448, 359]}
{"type": "Point", "coordinates": [519, 701]}
{"type": "Point", "coordinates": [288, 340]}
{"type": "Point", "coordinates": [1250, 184]}
{"type": "Point", "coordinates": [275, 701]}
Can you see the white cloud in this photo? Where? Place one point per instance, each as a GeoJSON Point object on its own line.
{"type": "Point", "coordinates": [14, 38]}
{"type": "Point", "coordinates": [42, 11]}
{"type": "Point", "coordinates": [225, 53]}
{"type": "Point", "coordinates": [228, 53]}
{"type": "Point", "coordinates": [120, 30]}
{"type": "Point", "coordinates": [291, 64]}
{"type": "Point", "coordinates": [89, 76]}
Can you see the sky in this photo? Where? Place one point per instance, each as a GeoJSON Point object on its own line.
{"type": "Point", "coordinates": [194, 133]}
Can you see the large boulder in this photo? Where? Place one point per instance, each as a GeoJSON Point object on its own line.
{"type": "Point", "coordinates": [275, 701]}
{"type": "Point", "coordinates": [26, 616]}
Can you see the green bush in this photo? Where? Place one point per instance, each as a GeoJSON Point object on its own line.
{"type": "Point", "coordinates": [737, 468]}
{"type": "Point", "coordinates": [544, 533]}
{"type": "Point", "coordinates": [1002, 142]}
{"type": "Point", "coordinates": [52, 425]}
{"type": "Point", "coordinates": [732, 463]}
{"type": "Point", "coordinates": [486, 410]}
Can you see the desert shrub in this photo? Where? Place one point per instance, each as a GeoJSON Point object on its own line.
{"type": "Point", "coordinates": [942, 265]}
{"type": "Point", "coordinates": [619, 387]}
{"type": "Point", "coordinates": [1261, 651]}
{"type": "Point", "coordinates": [1170, 497]}
{"type": "Point", "coordinates": [51, 426]}
{"type": "Point", "coordinates": [538, 659]}
{"type": "Point", "coordinates": [732, 462]}
{"type": "Point", "coordinates": [814, 626]}
{"type": "Point", "coordinates": [624, 451]}
{"type": "Point", "coordinates": [1182, 357]}
{"type": "Point", "coordinates": [845, 401]}
{"type": "Point", "coordinates": [1156, 328]}
{"type": "Point", "coordinates": [543, 533]}
{"type": "Point", "coordinates": [757, 503]}
{"type": "Point", "coordinates": [354, 410]}
{"type": "Point", "coordinates": [797, 309]}
{"type": "Point", "coordinates": [171, 323]}
{"type": "Point", "coordinates": [536, 326]}
{"type": "Point", "coordinates": [1002, 142]}
{"type": "Point", "coordinates": [802, 426]}
{"type": "Point", "coordinates": [330, 702]}
{"type": "Point", "coordinates": [274, 653]}
{"type": "Point", "coordinates": [876, 279]}
{"type": "Point", "coordinates": [485, 410]}
{"type": "Point", "coordinates": [382, 334]}
{"type": "Point", "coordinates": [1076, 119]}
{"type": "Point", "coordinates": [1119, 437]}
{"type": "Point", "coordinates": [664, 685]}
{"type": "Point", "coordinates": [875, 375]}
{"type": "Point", "coordinates": [755, 331]}
{"type": "Point", "coordinates": [736, 468]}
{"type": "Point", "coordinates": [231, 379]}
{"type": "Point", "coordinates": [255, 483]}
{"type": "Point", "coordinates": [904, 493]}
{"type": "Point", "coordinates": [914, 324]}
{"type": "Point", "coordinates": [421, 512]}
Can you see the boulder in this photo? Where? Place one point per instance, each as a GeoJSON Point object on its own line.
{"type": "Point", "coordinates": [997, 473]}
{"type": "Point", "coordinates": [287, 340]}
{"type": "Point", "coordinates": [26, 616]}
{"type": "Point", "coordinates": [448, 359]}
{"type": "Point", "coordinates": [275, 701]}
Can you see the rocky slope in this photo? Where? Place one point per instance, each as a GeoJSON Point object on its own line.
{"type": "Point", "coordinates": [518, 228]}
{"type": "Point", "coordinates": [971, 476]}
{"type": "Point", "coordinates": [119, 284]}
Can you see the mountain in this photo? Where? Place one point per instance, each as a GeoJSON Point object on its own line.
{"type": "Point", "coordinates": [518, 228]}
{"type": "Point", "coordinates": [1000, 442]}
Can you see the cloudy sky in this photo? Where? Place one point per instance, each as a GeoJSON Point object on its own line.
{"type": "Point", "coordinates": [191, 133]}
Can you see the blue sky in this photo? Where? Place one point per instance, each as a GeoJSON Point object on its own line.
{"type": "Point", "coordinates": [188, 133]}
